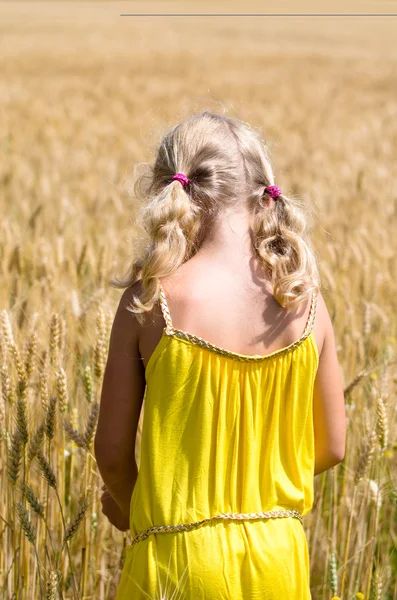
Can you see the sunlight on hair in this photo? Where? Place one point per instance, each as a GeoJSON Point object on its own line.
{"type": "Point", "coordinates": [227, 165]}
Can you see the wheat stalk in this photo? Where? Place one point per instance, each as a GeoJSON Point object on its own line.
{"type": "Point", "coordinates": [52, 585]}
{"type": "Point", "coordinates": [50, 418]}
{"type": "Point", "coordinates": [54, 339]}
{"type": "Point", "coordinates": [27, 526]}
{"type": "Point", "coordinates": [62, 389]}
{"type": "Point", "coordinates": [78, 519]}
{"type": "Point", "coordinates": [6, 386]}
{"type": "Point", "coordinates": [34, 502]}
{"type": "Point", "coordinates": [100, 347]}
{"type": "Point", "coordinates": [377, 585]}
{"type": "Point", "coordinates": [14, 457]}
{"type": "Point", "coordinates": [3, 430]}
{"type": "Point", "coordinates": [7, 330]}
{"type": "Point", "coordinates": [31, 352]}
{"type": "Point", "coordinates": [381, 424]}
{"type": "Point", "coordinates": [46, 470]}
{"type": "Point", "coordinates": [22, 423]}
{"type": "Point", "coordinates": [88, 384]}
{"type": "Point", "coordinates": [366, 455]}
{"type": "Point", "coordinates": [36, 442]}
{"type": "Point", "coordinates": [30, 533]}
{"type": "Point", "coordinates": [74, 434]}
{"type": "Point", "coordinates": [333, 573]}
{"type": "Point", "coordinates": [91, 425]}
{"type": "Point", "coordinates": [362, 468]}
{"type": "Point", "coordinates": [43, 384]}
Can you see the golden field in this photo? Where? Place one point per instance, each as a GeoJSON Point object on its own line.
{"type": "Point", "coordinates": [85, 95]}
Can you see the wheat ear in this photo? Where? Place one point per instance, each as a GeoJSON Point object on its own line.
{"type": "Point", "coordinates": [76, 522]}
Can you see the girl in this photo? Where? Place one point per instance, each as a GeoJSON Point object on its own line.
{"type": "Point", "coordinates": [237, 361]}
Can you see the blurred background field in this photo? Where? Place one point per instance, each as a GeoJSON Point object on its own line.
{"type": "Point", "coordinates": [85, 94]}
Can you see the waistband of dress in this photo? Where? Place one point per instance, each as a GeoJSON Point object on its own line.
{"type": "Point", "coordinates": [270, 514]}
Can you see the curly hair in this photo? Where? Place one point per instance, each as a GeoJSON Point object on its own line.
{"type": "Point", "coordinates": [226, 163]}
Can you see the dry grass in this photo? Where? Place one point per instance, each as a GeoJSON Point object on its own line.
{"type": "Point", "coordinates": [84, 96]}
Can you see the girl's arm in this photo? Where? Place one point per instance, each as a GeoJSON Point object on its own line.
{"type": "Point", "coordinates": [328, 400]}
{"type": "Point", "coordinates": [122, 395]}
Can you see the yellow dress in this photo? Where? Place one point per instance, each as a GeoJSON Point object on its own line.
{"type": "Point", "coordinates": [225, 474]}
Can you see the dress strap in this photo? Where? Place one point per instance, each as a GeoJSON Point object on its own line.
{"type": "Point", "coordinates": [312, 315]}
{"type": "Point", "coordinates": [165, 310]}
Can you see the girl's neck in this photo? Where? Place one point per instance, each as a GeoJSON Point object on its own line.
{"type": "Point", "coordinates": [228, 238]}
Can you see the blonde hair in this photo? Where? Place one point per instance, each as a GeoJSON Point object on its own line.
{"type": "Point", "coordinates": [225, 161]}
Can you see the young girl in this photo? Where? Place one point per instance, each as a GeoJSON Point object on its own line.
{"type": "Point", "coordinates": [224, 331]}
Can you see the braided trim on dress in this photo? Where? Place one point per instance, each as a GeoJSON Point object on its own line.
{"type": "Point", "coordinates": [274, 514]}
{"type": "Point", "coordinates": [165, 309]}
{"type": "Point", "coordinates": [198, 341]}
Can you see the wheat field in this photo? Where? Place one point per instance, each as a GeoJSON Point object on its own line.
{"type": "Point", "coordinates": [85, 95]}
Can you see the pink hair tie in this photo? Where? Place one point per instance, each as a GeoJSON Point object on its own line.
{"type": "Point", "coordinates": [182, 178]}
{"type": "Point", "coordinates": [273, 191]}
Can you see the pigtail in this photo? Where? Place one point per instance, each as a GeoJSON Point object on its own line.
{"type": "Point", "coordinates": [279, 226]}
{"type": "Point", "coordinates": [281, 242]}
{"type": "Point", "coordinates": [171, 222]}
